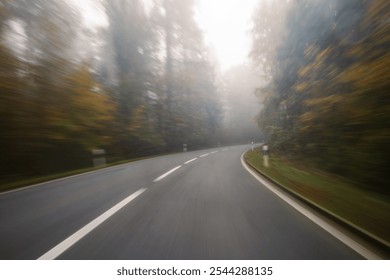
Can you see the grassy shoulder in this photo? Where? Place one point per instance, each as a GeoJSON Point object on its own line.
{"type": "Point", "coordinates": [28, 181]}
{"type": "Point", "coordinates": [365, 209]}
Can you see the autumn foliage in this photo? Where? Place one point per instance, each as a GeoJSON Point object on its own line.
{"type": "Point", "coordinates": [140, 84]}
{"type": "Point", "coordinates": [328, 99]}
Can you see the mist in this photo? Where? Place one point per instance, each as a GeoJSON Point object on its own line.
{"type": "Point", "coordinates": [240, 104]}
{"type": "Point", "coordinates": [325, 102]}
{"type": "Point", "coordinates": [89, 84]}
{"type": "Point", "coordinates": [138, 79]}
{"type": "Point", "coordinates": [138, 82]}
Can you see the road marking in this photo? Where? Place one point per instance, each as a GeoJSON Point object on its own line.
{"type": "Point", "coordinates": [214, 152]}
{"type": "Point", "coordinates": [363, 251]}
{"type": "Point", "coordinates": [166, 174]}
{"type": "Point", "coordinates": [74, 176]}
{"type": "Point", "coordinates": [191, 160]}
{"type": "Point", "coordinates": [204, 155]}
{"type": "Point", "coordinates": [75, 237]}
{"type": "Point", "coordinates": [225, 149]}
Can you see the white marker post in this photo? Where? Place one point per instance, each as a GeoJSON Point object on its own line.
{"type": "Point", "coordinates": [99, 157]}
{"type": "Point", "coordinates": [184, 147]}
{"type": "Point", "coordinates": [252, 145]}
{"type": "Point", "coordinates": [265, 155]}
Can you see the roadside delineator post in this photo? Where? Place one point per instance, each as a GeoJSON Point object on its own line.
{"type": "Point", "coordinates": [184, 147]}
{"type": "Point", "coordinates": [265, 151]}
{"type": "Point", "coordinates": [252, 145]}
{"type": "Point", "coordinates": [98, 157]}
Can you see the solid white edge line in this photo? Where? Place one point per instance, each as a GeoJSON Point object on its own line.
{"type": "Point", "coordinates": [204, 155]}
{"type": "Point", "coordinates": [366, 253]}
{"type": "Point", "coordinates": [166, 174]}
{"type": "Point", "coordinates": [75, 237]}
{"type": "Point", "coordinates": [191, 160]}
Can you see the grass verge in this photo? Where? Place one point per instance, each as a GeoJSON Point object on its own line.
{"type": "Point", "coordinates": [28, 181]}
{"type": "Point", "coordinates": [364, 209]}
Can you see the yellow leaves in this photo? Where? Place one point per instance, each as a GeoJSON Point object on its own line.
{"type": "Point", "coordinates": [368, 75]}
{"type": "Point", "coordinates": [88, 99]}
{"type": "Point", "coordinates": [378, 7]}
{"type": "Point", "coordinates": [303, 71]}
{"type": "Point", "coordinates": [317, 62]}
{"type": "Point", "coordinates": [325, 101]}
{"type": "Point", "coordinates": [324, 54]}
{"type": "Point", "coordinates": [301, 87]}
{"type": "Point", "coordinates": [79, 110]}
{"type": "Point", "coordinates": [333, 96]}
{"type": "Point", "coordinates": [356, 51]}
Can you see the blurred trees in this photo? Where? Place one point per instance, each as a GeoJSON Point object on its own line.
{"type": "Point", "coordinates": [191, 112]}
{"type": "Point", "coordinates": [328, 99]}
{"type": "Point", "coordinates": [164, 83]}
{"type": "Point", "coordinates": [144, 87]}
{"type": "Point", "coordinates": [131, 40]}
{"type": "Point", "coordinates": [36, 43]}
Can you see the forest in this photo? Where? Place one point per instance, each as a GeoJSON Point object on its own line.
{"type": "Point", "coordinates": [143, 82]}
{"type": "Point", "coordinates": [327, 101]}
{"type": "Point", "coordinates": [140, 84]}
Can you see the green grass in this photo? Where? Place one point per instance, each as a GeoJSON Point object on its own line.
{"type": "Point", "coordinates": [365, 209]}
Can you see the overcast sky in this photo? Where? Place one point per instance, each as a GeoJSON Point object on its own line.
{"type": "Point", "coordinates": [226, 24]}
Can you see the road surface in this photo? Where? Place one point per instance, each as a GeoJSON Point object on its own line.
{"type": "Point", "coordinates": [194, 205]}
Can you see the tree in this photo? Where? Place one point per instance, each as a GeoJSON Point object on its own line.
{"type": "Point", "coordinates": [327, 98]}
{"type": "Point", "coordinates": [132, 40]}
{"type": "Point", "coordinates": [57, 103]}
{"type": "Point", "coordinates": [86, 113]}
{"type": "Point", "coordinates": [190, 109]}
{"type": "Point", "coordinates": [50, 119]}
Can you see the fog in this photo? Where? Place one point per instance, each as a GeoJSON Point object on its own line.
{"type": "Point", "coordinates": [240, 105]}
{"type": "Point", "coordinates": [140, 78]}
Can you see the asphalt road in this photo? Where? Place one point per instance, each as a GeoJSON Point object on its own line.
{"type": "Point", "coordinates": [194, 205]}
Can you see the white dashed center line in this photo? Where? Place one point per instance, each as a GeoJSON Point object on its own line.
{"type": "Point", "coordinates": [166, 174]}
{"type": "Point", "coordinates": [204, 155]}
{"type": "Point", "coordinates": [75, 237]}
{"type": "Point", "coordinates": [191, 160]}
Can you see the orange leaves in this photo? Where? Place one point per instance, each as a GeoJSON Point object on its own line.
{"type": "Point", "coordinates": [301, 86]}
{"type": "Point", "coordinates": [81, 112]}
{"type": "Point", "coordinates": [368, 75]}
{"type": "Point", "coordinates": [326, 101]}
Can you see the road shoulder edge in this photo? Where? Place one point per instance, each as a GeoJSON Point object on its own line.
{"type": "Point", "coordinates": [336, 227]}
